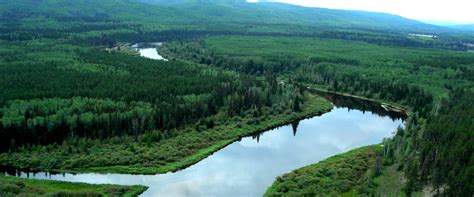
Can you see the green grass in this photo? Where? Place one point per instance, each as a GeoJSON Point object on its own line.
{"type": "Point", "coordinates": [135, 155]}
{"type": "Point", "coordinates": [339, 175]}
{"type": "Point", "coordinates": [13, 186]}
{"type": "Point", "coordinates": [390, 182]}
{"type": "Point", "coordinates": [171, 167]}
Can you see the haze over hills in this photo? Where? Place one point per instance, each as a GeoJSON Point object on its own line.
{"type": "Point", "coordinates": [263, 16]}
{"type": "Point", "coordinates": [273, 12]}
{"type": "Point", "coordinates": [466, 27]}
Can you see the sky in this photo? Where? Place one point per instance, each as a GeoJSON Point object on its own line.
{"type": "Point", "coordinates": [434, 11]}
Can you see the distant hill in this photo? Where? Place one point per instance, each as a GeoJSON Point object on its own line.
{"type": "Point", "coordinates": [466, 27]}
{"type": "Point", "coordinates": [276, 13]}
{"type": "Point", "coordinates": [452, 25]}
{"type": "Point", "coordinates": [216, 14]}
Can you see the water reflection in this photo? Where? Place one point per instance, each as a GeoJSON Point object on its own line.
{"type": "Point", "coordinates": [294, 126]}
{"type": "Point", "coordinates": [360, 104]}
{"type": "Point", "coordinates": [249, 166]}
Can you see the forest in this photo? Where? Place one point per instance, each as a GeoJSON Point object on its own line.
{"type": "Point", "coordinates": [441, 156]}
{"type": "Point", "coordinates": [353, 67]}
{"type": "Point", "coordinates": [68, 103]}
{"type": "Point", "coordinates": [66, 97]}
{"type": "Point", "coordinates": [437, 88]}
{"type": "Point", "coordinates": [436, 144]}
{"type": "Point", "coordinates": [59, 97]}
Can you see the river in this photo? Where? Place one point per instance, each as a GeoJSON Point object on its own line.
{"type": "Point", "coordinates": [149, 50]}
{"type": "Point", "coordinates": [247, 167]}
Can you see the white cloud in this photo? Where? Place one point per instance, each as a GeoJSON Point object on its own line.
{"type": "Point", "coordinates": [458, 11]}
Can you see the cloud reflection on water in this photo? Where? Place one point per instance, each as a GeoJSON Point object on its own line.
{"type": "Point", "coordinates": [248, 167]}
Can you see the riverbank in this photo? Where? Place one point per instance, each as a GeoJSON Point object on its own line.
{"type": "Point", "coordinates": [389, 106]}
{"type": "Point", "coordinates": [137, 156]}
{"type": "Point", "coordinates": [315, 106]}
{"type": "Point", "coordinates": [339, 175]}
{"type": "Point", "coordinates": [372, 176]}
{"type": "Point", "coordinates": [13, 186]}
{"type": "Point", "coordinates": [125, 48]}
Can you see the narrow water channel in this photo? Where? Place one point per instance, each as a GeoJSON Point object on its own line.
{"type": "Point", "coordinates": [247, 167]}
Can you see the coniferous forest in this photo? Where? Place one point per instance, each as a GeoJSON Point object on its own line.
{"type": "Point", "coordinates": [76, 97]}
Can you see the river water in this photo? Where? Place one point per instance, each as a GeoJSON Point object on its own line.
{"type": "Point", "coordinates": [149, 50]}
{"type": "Point", "coordinates": [247, 167]}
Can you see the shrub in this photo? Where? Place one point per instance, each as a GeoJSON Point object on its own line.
{"type": "Point", "coordinates": [116, 190]}
{"type": "Point", "coordinates": [9, 188]}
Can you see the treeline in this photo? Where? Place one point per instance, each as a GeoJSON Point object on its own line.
{"type": "Point", "coordinates": [138, 34]}
{"type": "Point", "coordinates": [316, 70]}
{"type": "Point", "coordinates": [372, 87]}
{"type": "Point", "coordinates": [109, 33]}
{"type": "Point", "coordinates": [132, 78]}
{"type": "Point", "coordinates": [437, 151]}
{"type": "Point", "coordinates": [111, 21]}
{"type": "Point", "coordinates": [46, 121]}
{"type": "Point", "coordinates": [447, 151]}
{"type": "Point", "coordinates": [244, 57]}
{"type": "Point", "coordinates": [360, 104]}
{"type": "Point", "coordinates": [390, 39]}
{"type": "Point", "coordinates": [140, 95]}
{"type": "Point", "coordinates": [101, 29]}
{"type": "Point", "coordinates": [196, 52]}
{"type": "Point", "coordinates": [363, 70]}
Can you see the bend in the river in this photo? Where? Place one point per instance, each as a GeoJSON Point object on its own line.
{"type": "Point", "coordinates": [247, 167]}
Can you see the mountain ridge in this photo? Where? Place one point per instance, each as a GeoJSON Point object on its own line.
{"type": "Point", "coordinates": [314, 16]}
{"type": "Point", "coordinates": [218, 15]}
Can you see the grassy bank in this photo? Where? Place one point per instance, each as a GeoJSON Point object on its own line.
{"type": "Point", "coordinates": [13, 186]}
{"type": "Point", "coordinates": [315, 106]}
{"type": "Point", "coordinates": [348, 174]}
{"type": "Point", "coordinates": [139, 156]}
{"type": "Point", "coordinates": [339, 175]}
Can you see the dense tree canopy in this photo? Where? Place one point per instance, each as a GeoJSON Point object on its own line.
{"type": "Point", "coordinates": [433, 149]}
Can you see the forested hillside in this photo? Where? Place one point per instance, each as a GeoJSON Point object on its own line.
{"type": "Point", "coordinates": [131, 20]}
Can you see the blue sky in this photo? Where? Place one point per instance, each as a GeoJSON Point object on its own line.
{"type": "Point", "coordinates": [449, 11]}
